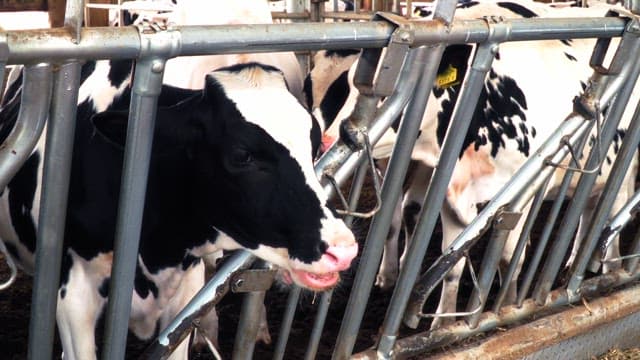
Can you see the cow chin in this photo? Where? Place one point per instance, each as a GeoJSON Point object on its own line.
{"type": "Point", "coordinates": [310, 280]}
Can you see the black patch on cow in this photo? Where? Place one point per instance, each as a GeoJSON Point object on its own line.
{"type": "Point", "coordinates": [63, 292]}
{"type": "Point", "coordinates": [307, 90]}
{"type": "Point", "coordinates": [343, 53]}
{"type": "Point", "coordinates": [566, 42]}
{"type": "Point", "coordinates": [143, 286]}
{"type": "Point", "coordinates": [570, 57]}
{"type": "Point", "coordinates": [501, 101]}
{"type": "Point", "coordinates": [65, 268]}
{"type": "Point", "coordinates": [86, 70]}
{"type": "Point", "coordinates": [465, 4]}
{"type": "Point", "coordinates": [189, 261]}
{"type": "Point", "coordinates": [119, 70]}
{"type": "Point", "coordinates": [22, 189]}
{"type": "Point", "coordinates": [395, 125]}
{"type": "Point", "coordinates": [103, 289]}
{"type": "Point", "coordinates": [410, 214]}
{"type": "Point", "coordinates": [518, 9]}
{"type": "Point", "coordinates": [335, 99]}
{"type": "Point", "coordinates": [241, 67]}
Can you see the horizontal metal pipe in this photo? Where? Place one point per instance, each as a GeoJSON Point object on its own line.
{"type": "Point", "coordinates": [104, 42]}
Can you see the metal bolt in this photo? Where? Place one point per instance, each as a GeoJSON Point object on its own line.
{"type": "Point", "coordinates": [405, 36]}
{"type": "Point", "coordinates": [157, 67]}
{"type": "Point", "coordinates": [238, 284]}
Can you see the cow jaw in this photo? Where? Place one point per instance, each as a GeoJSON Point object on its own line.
{"type": "Point", "coordinates": [310, 280]}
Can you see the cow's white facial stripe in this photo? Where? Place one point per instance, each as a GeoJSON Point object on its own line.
{"type": "Point", "coordinates": [98, 88]}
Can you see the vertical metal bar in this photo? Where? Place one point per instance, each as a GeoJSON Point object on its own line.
{"type": "Point", "coordinates": [548, 226]}
{"type": "Point", "coordinates": [146, 88]}
{"type": "Point", "coordinates": [391, 188]}
{"type": "Point", "coordinates": [630, 45]}
{"type": "Point", "coordinates": [325, 298]}
{"type": "Point", "coordinates": [530, 175]}
{"type": "Point", "coordinates": [605, 202]}
{"type": "Point", "coordinates": [248, 325]}
{"type": "Point", "coordinates": [287, 320]}
{"type": "Point", "coordinates": [491, 261]}
{"type": "Point", "coordinates": [451, 147]}
{"type": "Point", "coordinates": [522, 242]}
{"type": "Point", "coordinates": [36, 96]}
{"type": "Point", "coordinates": [318, 325]}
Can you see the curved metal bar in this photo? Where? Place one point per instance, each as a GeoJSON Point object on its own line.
{"type": "Point", "coordinates": [12, 267]}
{"type": "Point", "coordinates": [34, 107]}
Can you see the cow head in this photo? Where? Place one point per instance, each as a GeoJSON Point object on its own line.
{"type": "Point", "coordinates": [248, 144]}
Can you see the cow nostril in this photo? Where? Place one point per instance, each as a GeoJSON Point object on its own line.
{"type": "Point", "coordinates": [331, 257]}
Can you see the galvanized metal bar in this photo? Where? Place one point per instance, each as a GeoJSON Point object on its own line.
{"type": "Point", "coordinates": [287, 320]}
{"type": "Point", "coordinates": [53, 205]}
{"type": "Point", "coordinates": [73, 18]}
{"type": "Point", "coordinates": [325, 298]}
{"type": "Point", "coordinates": [629, 44]}
{"type": "Point", "coordinates": [520, 246]}
{"type": "Point", "coordinates": [548, 226]}
{"type": "Point", "coordinates": [340, 160]}
{"type": "Point", "coordinates": [413, 346]}
{"type": "Point", "coordinates": [34, 107]}
{"type": "Point", "coordinates": [248, 325]}
{"type": "Point", "coordinates": [491, 261]}
{"type": "Point", "coordinates": [105, 42]}
{"type": "Point", "coordinates": [428, 58]}
{"type": "Point", "coordinates": [432, 203]}
{"type": "Point", "coordinates": [144, 97]}
{"type": "Point", "coordinates": [605, 202]}
{"type": "Point", "coordinates": [200, 305]}
{"type": "Point", "coordinates": [526, 179]}
{"type": "Point", "coordinates": [318, 325]}
{"type": "Point", "coordinates": [16, 149]}
{"type": "Point", "coordinates": [619, 220]}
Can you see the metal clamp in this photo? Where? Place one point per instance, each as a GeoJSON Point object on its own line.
{"type": "Point", "coordinates": [376, 77]}
{"type": "Point", "coordinates": [253, 280]}
{"type": "Point", "coordinates": [158, 40]}
{"type": "Point", "coordinates": [376, 185]}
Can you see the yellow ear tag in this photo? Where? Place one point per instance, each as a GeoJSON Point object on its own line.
{"type": "Point", "coordinates": [448, 78]}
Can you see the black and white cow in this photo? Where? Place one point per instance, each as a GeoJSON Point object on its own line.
{"type": "Point", "coordinates": [228, 170]}
{"type": "Point", "coordinates": [529, 88]}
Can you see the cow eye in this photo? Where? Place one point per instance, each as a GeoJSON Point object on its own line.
{"type": "Point", "coordinates": [241, 157]}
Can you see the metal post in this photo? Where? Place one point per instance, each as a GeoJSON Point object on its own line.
{"type": "Point", "coordinates": [522, 243]}
{"type": "Point", "coordinates": [391, 188]}
{"type": "Point", "coordinates": [248, 325]}
{"type": "Point", "coordinates": [548, 227]}
{"type": "Point", "coordinates": [34, 107]}
{"type": "Point", "coordinates": [435, 195]}
{"type": "Point", "coordinates": [146, 88]}
{"type": "Point", "coordinates": [628, 45]}
{"type": "Point", "coordinates": [287, 320]}
{"type": "Point", "coordinates": [616, 176]}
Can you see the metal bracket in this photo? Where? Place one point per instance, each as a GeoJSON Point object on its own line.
{"type": "Point", "coordinates": [253, 280]}
{"type": "Point", "coordinates": [378, 77]}
{"type": "Point", "coordinates": [158, 40]}
{"type": "Point", "coordinates": [507, 220]}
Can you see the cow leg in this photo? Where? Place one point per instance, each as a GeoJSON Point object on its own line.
{"type": "Point", "coordinates": [413, 202]}
{"type": "Point", "coordinates": [79, 306]}
{"type": "Point", "coordinates": [451, 228]}
{"type": "Point", "coordinates": [191, 282]}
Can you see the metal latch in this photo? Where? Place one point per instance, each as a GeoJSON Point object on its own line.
{"type": "Point", "coordinates": [253, 280]}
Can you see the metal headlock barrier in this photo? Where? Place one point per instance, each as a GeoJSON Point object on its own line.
{"type": "Point", "coordinates": [401, 78]}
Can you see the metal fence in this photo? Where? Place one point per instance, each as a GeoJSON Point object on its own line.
{"type": "Point", "coordinates": [417, 49]}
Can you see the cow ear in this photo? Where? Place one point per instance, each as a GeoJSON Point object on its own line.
{"type": "Point", "coordinates": [112, 125]}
